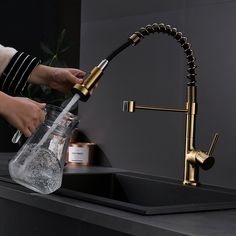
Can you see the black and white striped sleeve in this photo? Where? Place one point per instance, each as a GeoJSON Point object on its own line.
{"type": "Point", "coordinates": [14, 77]}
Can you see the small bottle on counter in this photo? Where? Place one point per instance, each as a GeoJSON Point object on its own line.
{"type": "Point", "coordinates": [79, 153]}
{"type": "Point", "coordinates": [73, 139]}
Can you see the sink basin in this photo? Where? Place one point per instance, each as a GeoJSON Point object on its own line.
{"type": "Point", "coordinates": [146, 195]}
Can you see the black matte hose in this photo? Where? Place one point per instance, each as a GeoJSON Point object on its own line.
{"type": "Point", "coordinates": [120, 49]}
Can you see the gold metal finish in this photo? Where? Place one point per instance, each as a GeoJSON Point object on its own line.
{"type": "Point", "coordinates": [141, 107]}
{"type": "Point", "coordinates": [213, 144]}
{"type": "Point", "coordinates": [135, 38]}
{"type": "Point", "coordinates": [131, 106]}
{"type": "Point", "coordinates": [193, 158]}
{"type": "Point", "coordinates": [85, 89]}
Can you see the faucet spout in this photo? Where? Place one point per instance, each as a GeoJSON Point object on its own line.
{"type": "Point", "coordinates": [85, 89]}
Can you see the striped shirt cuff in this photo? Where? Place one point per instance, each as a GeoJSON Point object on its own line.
{"type": "Point", "coordinates": [14, 78]}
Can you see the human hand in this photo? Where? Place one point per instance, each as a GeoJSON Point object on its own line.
{"type": "Point", "coordinates": [61, 79]}
{"type": "Point", "coordinates": [22, 113]}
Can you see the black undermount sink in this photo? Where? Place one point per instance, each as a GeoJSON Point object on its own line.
{"type": "Point", "coordinates": [146, 195]}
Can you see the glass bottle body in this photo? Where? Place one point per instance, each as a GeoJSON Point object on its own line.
{"type": "Point", "coordinates": [39, 164]}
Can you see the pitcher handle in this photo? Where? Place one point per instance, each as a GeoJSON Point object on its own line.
{"type": "Point", "coordinates": [16, 137]}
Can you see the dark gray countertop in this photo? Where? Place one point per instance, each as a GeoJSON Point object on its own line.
{"type": "Point", "coordinates": [202, 223]}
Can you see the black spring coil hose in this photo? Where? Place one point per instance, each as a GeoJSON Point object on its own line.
{"type": "Point", "coordinates": [162, 28]}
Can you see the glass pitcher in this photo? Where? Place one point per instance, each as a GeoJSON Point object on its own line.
{"type": "Point", "coordinates": [39, 164]}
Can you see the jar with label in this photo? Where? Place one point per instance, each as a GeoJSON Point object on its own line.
{"type": "Point", "coordinates": [81, 153]}
{"type": "Point", "coordinates": [73, 139]}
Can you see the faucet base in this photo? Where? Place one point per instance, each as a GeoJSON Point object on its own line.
{"type": "Point", "coordinates": [190, 183]}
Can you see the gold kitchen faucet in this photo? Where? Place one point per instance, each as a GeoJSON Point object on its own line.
{"type": "Point", "coordinates": [194, 158]}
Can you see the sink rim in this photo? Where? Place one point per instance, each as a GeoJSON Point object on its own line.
{"type": "Point", "coordinates": [140, 209]}
{"type": "Point", "coordinates": [153, 210]}
{"type": "Point", "coordinates": [146, 210]}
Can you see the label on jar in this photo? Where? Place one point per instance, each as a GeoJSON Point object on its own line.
{"type": "Point", "coordinates": [79, 155]}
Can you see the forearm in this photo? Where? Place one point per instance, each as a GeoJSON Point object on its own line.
{"type": "Point", "coordinates": [15, 70]}
{"type": "Point", "coordinates": [41, 74]}
{"type": "Point", "coordinates": [4, 98]}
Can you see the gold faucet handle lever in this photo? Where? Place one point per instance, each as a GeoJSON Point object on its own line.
{"type": "Point", "coordinates": [213, 144]}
